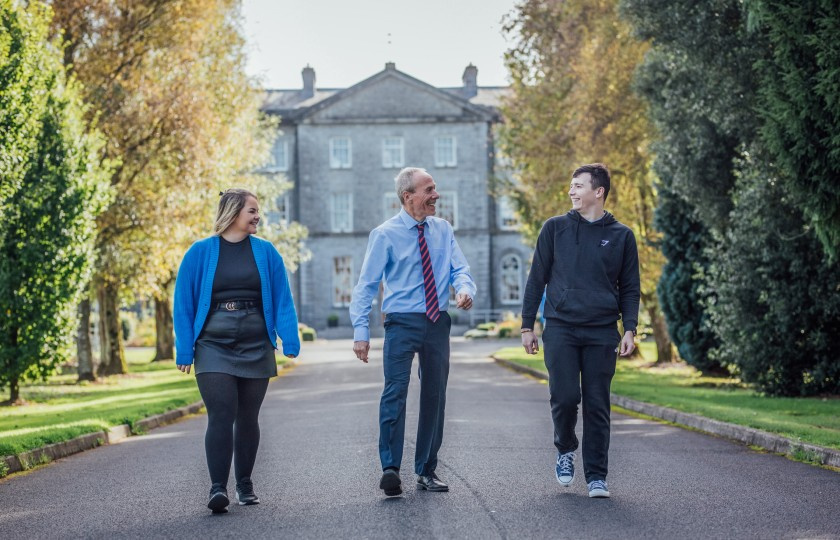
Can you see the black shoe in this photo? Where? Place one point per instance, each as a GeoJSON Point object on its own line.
{"type": "Point", "coordinates": [218, 499]}
{"type": "Point", "coordinates": [431, 483]}
{"type": "Point", "coordinates": [390, 482]}
{"type": "Point", "coordinates": [245, 492]}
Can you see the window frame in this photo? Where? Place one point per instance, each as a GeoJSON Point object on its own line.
{"type": "Point", "coordinates": [335, 163]}
{"type": "Point", "coordinates": [334, 225]}
{"type": "Point", "coordinates": [454, 205]}
{"type": "Point", "coordinates": [503, 296]}
{"type": "Point", "coordinates": [393, 164]}
{"type": "Point", "coordinates": [438, 159]}
{"type": "Point", "coordinates": [336, 300]}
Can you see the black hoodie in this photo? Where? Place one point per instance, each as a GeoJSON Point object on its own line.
{"type": "Point", "coordinates": [588, 270]}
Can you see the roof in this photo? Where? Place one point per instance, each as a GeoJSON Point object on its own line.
{"type": "Point", "coordinates": [293, 104]}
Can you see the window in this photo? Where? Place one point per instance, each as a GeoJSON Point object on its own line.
{"type": "Point", "coordinates": [341, 153]}
{"type": "Point", "coordinates": [341, 212]}
{"type": "Point", "coordinates": [284, 215]}
{"type": "Point", "coordinates": [508, 220]}
{"type": "Point", "coordinates": [447, 207]}
{"type": "Point", "coordinates": [390, 205]}
{"type": "Point", "coordinates": [278, 159]}
{"type": "Point", "coordinates": [446, 153]}
{"type": "Point", "coordinates": [511, 279]}
{"type": "Point", "coordinates": [342, 281]}
{"type": "Point", "coordinates": [393, 152]}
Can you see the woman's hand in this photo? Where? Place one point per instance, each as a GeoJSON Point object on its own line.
{"type": "Point", "coordinates": [184, 367]}
{"type": "Point", "coordinates": [290, 356]}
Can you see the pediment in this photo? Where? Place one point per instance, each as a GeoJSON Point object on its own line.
{"type": "Point", "coordinates": [392, 96]}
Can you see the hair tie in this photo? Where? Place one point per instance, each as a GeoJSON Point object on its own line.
{"type": "Point", "coordinates": [221, 193]}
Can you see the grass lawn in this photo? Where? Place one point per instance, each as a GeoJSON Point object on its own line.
{"type": "Point", "coordinates": [681, 387]}
{"type": "Point", "coordinates": [61, 408]}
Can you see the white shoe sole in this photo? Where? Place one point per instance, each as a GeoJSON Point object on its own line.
{"type": "Point", "coordinates": [566, 483]}
{"type": "Point", "coordinates": [599, 494]}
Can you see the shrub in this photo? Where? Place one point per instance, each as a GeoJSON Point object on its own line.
{"type": "Point", "coordinates": [777, 309]}
{"type": "Point", "coordinates": [488, 326]}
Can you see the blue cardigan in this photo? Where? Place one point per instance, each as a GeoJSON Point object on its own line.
{"type": "Point", "coordinates": [194, 288]}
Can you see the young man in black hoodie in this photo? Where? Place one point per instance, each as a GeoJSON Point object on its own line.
{"type": "Point", "coordinates": [588, 266]}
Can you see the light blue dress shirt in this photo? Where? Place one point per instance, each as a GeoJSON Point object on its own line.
{"type": "Point", "coordinates": [394, 256]}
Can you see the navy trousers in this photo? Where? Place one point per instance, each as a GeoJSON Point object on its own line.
{"type": "Point", "coordinates": [581, 362]}
{"type": "Point", "coordinates": [405, 335]}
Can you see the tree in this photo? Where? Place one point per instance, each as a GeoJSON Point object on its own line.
{"type": "Point", "coordinates": [573, 103]}
{"type": "Point", "coordinates": [682, 289]}
{"type": "Point", "coordinates": [24, 73]}
{"type": "Point", "coordinates": [776, 309]}
{"type": "Point", "coordinates": [167, 78]}
{"type": "Point", "coordinates": [46, 236]}
{"type": "Point", "coordinates": [800, 82]}
{"type": "Point", "coordinates": [698, 81]}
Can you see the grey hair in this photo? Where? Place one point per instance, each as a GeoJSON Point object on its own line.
{"type": "Point", "coordinates": [405, 181]}
{"type": "Point", "coordinates": [231, 202]}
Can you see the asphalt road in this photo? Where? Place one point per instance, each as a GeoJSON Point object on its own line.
{"type": "Point", "coordinates": [318, 469]}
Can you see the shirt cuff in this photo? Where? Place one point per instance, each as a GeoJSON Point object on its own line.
{"type": "Point", "coordinates": [361, 333]}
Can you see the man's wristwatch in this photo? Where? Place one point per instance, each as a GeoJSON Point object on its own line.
{"type": "Point", "coordinates": [522, 331]}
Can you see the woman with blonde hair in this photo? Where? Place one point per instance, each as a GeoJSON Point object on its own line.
{"type": "Point", "coordinates": [232, 300]}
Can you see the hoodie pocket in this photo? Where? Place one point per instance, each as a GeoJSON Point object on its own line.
{"type": "Point", "coordinates": [587, 307]}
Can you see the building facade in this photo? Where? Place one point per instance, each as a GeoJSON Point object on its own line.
{"type": "Point", "coordinates": [342, 148]}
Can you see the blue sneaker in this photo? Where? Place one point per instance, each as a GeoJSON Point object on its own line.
{"type": "Point", "coordinates": [565, 468]}
{"type": "Point", "coordinates": [598, 488]}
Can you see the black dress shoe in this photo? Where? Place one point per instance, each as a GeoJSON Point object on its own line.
{"type": "Point", "coordinates": [218, 499]}
{"type": "Point", "coordinates": [390, 482]}
{"type": "Point", "coordinates": [431, 483]}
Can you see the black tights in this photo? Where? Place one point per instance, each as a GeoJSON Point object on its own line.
{"type": "Point", "coordinates": [233, 407]}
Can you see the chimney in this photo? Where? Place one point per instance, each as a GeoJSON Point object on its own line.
{"type": "Point", "coordinates": [470, 79]}
{"type": "Point", "coordinates": [390, 66]}
{"type": "Point", "coordinates": [308, 82]}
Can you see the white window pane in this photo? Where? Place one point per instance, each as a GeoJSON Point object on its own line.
{"type": "Point", "coordinates": [341, 212]}
{"type": "Point", "coordinates": [393, 154]}
{"type": "Point", "coordinates": [445, 151]}
{"type": "Point", "coordinates": [390, 205]}
{"type": "Point", "coordinates": [342, 281]}
{"type": "Point", "coordinates": [341, 153]}
{"type": "Point", "coordinates": [511, 274]}
{"type": "Point", "coordinates": [283, 210]}
{"type": "Point", "coordinates": [447, 207]}
{"type": "Point", "coordinates": [507, 214]}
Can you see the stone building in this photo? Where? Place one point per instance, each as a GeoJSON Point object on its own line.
{"type": "Point", "coordinates": [341, 149]}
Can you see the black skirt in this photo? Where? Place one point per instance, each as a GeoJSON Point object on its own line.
{"type": "Point", "coordinates": [236, 343]}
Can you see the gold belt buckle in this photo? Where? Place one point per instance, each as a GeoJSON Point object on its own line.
{"type": "Point", "coordinates": [230, 306]}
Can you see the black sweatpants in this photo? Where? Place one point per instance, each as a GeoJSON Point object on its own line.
{"type": "Point", "coordinates": [233, 407]}
{"type": "Point", "coordinates": [581, 362]}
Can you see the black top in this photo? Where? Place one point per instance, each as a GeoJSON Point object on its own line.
{"type": "Point", "coordinates": [589, 272]}
{"type": "Point", "coordinates": [237, 277]}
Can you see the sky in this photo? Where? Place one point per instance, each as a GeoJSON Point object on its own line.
{"type": "Point", "coordinates": [347, 41]}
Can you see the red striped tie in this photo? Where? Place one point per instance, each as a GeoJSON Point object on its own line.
{"type": "Point", "coordinates": [432, 307]}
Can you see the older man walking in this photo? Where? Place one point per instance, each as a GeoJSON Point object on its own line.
{"type": "Point", "coordinates": [418, 258]}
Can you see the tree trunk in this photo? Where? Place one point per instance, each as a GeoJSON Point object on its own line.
{"type": "Point", "coordinates": [112, 361]}
{"type": "Point", "coordinates": [14, 390]}
{"type": "Point", "coordinates": [164, 333]}
{"type": "Point", "coordinates": [664, 347]}
{"type": "Point", "coordinates": [84, 351]}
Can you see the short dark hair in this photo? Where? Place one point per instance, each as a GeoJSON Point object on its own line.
{"type": "Point", "coordinates": [600, 176]}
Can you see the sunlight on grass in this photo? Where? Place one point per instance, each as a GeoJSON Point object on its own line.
{"type": "Point", "coordinates": [63, 408]}
{"type": "Point", "coordinates": [681, 387]}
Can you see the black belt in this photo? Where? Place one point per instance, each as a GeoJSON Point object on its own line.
{"type": "Point", "coordinates": [236, 305]}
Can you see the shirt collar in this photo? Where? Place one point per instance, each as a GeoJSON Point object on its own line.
{"type": "Point", "coordinates": [407, 220]}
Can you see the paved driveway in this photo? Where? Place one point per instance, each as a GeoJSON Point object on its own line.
{"type": "Point", "coordinates": [318, 469]}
